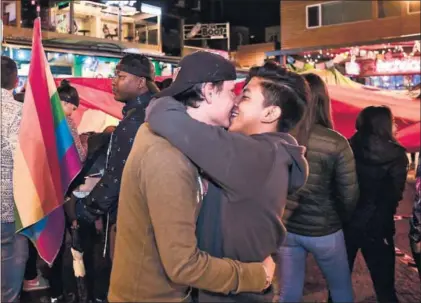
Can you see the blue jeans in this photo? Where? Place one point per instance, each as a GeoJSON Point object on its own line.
{"type": "Point", "coordinates": [330, 254]}
{"type": "Point", "coordinates": [14, 253]}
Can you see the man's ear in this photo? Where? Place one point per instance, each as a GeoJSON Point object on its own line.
{"type": "Point", "coordinates": [208, 92]}
{"type": "Point", "coordinates": [271, 114]}
{"type": "Point", "coordinates": [141, 82]}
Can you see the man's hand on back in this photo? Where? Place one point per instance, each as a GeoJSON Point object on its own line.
{"type": "Point", "coordinates": [269, 266]}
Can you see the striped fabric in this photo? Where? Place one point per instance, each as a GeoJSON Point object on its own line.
{"type": "Point", "coordinates": [46, 159]}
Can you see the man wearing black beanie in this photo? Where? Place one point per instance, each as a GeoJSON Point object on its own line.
{"type": "Point", "coordinates": [133, 85]}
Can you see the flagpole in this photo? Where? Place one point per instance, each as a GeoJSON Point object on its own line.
{"type": "Point", "coordinates": [38, 10]}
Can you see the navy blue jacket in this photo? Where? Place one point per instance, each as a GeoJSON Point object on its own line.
{"type": "Point", "coordinates": [104, 197]}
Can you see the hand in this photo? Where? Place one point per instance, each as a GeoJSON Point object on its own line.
{"type": "Point", "coordinates": [75, 225]}
{"type": "Point", "coordinates": [269, 266]}
{"type": "Point", "coordinates": [99, 226]}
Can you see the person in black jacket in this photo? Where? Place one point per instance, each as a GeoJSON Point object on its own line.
{"type": "Point", "coordinates": [382, 167]}
{"type": "Point", "coordinates": [133, 85]}
{"type": "Point", "coordinates": [315, 215]}
{"type": "Point", "coordinates": [415, 222]}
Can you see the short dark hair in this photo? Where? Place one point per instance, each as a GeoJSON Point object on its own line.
{"type": "Point", "coordinates": [285, 89]}
{"type": "Point", "coordinates": [192, 96]}
{"type": "Point", "coordinates": [9, 73]}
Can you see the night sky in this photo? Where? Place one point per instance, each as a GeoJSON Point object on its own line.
{"type": "Point", "coordinates": [252, 13]}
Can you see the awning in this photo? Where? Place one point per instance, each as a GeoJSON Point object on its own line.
{"type": "Point", "coordinates": [285, 52]}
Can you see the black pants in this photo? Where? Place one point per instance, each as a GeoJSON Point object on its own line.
{"type": "Point", "coordinates": [417, 259]}
{"type": "Point", "coordinates": [379, 255]}
{"type": "Point", "coordinates": [412, 158]}
{"type": "Point", "coordinates": [55, 277]}
{"type": "Point", "coordinates": [31, 265]}
{"type": "Point", "coordinates": [98, 268]}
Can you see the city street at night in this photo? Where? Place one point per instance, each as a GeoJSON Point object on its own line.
{"type": "Point", "coordinates": [210, 151]}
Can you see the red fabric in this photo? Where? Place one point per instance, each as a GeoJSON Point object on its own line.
{"type": "Point", "coordinates": [347, 102]}
{"type": "Point", "coordinates": [410, 137]}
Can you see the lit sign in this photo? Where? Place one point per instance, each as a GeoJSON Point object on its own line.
{"type": "Point", "coordinates": [399, 66]}
{"type": "Point", "coordinates": [207, 31]}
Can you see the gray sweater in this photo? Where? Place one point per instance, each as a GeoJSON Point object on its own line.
{"type": "Point", "coordinates": [11, 113]}
{"type": "Point", "coordinates": [255, 174]}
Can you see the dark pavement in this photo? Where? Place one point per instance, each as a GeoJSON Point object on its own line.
{"type": "Point", "coordinates": [408, 284]}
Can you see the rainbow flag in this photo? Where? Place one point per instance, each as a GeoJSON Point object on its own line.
{"type": "Point", "coordinates": [46, 158]}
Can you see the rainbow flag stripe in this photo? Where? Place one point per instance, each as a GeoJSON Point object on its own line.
{"type": "Point", "coordinates": [46, 158]}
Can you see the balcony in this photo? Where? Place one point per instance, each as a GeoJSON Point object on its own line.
{"type": "Point", "coordinates": [99, 26]}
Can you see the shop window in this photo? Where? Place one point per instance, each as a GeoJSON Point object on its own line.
{"type": "Point", "coordinates": [313, 13]}
{"type": "Point", "coordinates": [387, 8]}
{"type": "Point", "coordinates": [413, 6]}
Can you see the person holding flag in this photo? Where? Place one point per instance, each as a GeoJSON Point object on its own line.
{"type": "Point", "coordinates": [46, 159]}
{"type": "Point", "coordinates": [14, 247]}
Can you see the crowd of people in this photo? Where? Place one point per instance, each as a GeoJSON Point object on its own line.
{"type": "Point", "coordinates": [202, 195]}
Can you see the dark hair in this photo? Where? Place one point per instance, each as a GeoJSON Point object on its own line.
{"type": "Point", "coordinates": [68, 93]}
{"type": "Point", "coordinates": [319, 109]}
{"type": "Point", "coordinates": [376, 121]}
{"type": "Point", "coordinates": [192, 96]}
{"type": "Point", "coordinates": [9, 73]}
{"type": "Point", "coordinates": [285, 89]}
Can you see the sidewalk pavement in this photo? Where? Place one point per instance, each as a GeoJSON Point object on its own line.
{"type": "Point", "coordinates": [408, 285]}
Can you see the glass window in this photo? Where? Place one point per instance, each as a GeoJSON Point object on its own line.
{"type": "Point", "coordinates": [387, 8]}
{"type": "Point", "coordinates": [338, 12]}
{"type": "Point", "coordinates": [414, 6]}
{"type": "Point", "coordinates": [332, 13]}
{"type": "Point", "coordinates": [357, 10]}
{"type": "Point", "coordinates": [313, 18]}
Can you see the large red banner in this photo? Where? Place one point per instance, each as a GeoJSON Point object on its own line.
{"type": "Point", "coordinates": [347, 102]}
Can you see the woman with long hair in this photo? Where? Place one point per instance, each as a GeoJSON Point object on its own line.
{"type": "Point", "coordinates": [382, 166]}
{"type": "Point", "coordinates": [315, 215]}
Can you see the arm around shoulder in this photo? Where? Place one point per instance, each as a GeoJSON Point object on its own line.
{"type": "Point", "coordinates": [170, 184]}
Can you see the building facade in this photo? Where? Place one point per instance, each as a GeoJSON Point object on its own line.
{"type": "Point", "coordinates": [375, 42]}
{"type": "Point", "coordinates": [327, 24]}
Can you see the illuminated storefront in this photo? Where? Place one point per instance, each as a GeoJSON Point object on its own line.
{"type": "Point", "coordinates": [395, 67]}
{"type": "Point", "coordinates": [65, 64]}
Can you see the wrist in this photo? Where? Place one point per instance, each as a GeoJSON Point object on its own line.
{"type": "Point", "coordinates": [268, 277]}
